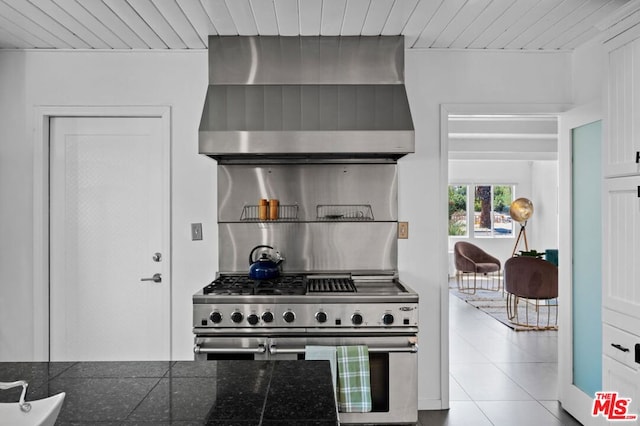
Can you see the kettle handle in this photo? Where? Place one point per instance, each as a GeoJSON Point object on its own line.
{"type": "Point", "coordinates": [251, 261]}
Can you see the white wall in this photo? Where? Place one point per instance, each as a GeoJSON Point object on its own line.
{"type": "Point", "coordinates": [588, 66]}
{"type": "Point", "coordinates": [31, 79]}
{"type": "Point", "coordinates": [535, 180]}
{"type": "Point", "coordinates": [16, 319]}
{"type": "Point", "coordinates": [434, 78]}
{"type": "Point", "coordinates": [542, 229]}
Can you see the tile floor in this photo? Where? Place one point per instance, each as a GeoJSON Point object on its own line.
{"type": "Point", "coordinates": [498, 376]}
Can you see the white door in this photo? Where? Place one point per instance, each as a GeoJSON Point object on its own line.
{"type": "Point", "coordinates": [109, 216]}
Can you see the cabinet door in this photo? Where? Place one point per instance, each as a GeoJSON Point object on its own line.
{"type": "Point", "coordinates": [622, 128]}
{"type": "Point", "coordinates": [621, 245]}
{"type": "Point", "coordinates": [619, 344]}
{"type": "Point", "coordinates": [617, 377]}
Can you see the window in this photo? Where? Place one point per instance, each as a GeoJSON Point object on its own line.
{"type": "Point", "coordinates": [490, 212]}
{"type": "Point", "coordinates": [458, 210]}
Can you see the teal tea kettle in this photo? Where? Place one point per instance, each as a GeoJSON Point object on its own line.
{"type": "Point", "coordinates": [265, 267]}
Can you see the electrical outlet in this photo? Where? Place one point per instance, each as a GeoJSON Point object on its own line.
{"type": "Point", "coordinates": [196, 231]}
{"type": "Point", "coordinates": [403, 230]}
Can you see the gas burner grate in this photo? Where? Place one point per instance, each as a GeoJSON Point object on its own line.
{"type": "Point", "coordinates": [330, 285]}
{"type": "Point", "coordinates": [233, 285]}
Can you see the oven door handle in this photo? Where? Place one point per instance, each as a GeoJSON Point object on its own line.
{"type": "Point", "coordinates": [413, 347]}
{"type": "Point", "coordinates": [200, 350]}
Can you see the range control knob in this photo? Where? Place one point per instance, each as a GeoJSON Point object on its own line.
{"type": "Point", "coordinates": [253, 319]}
{"type": "Point", "coordinates": [236, 317]}
{"type": "Point", "coordinates": [321, 317]}
{"type": "Point", "coordinates": [387, 319]}
{"type": "Point", "coordinates": [356, 319]}
{"type": "Point", "coordinates": [215, 317]}
{"type": "Point", "coordinates": [289, 316]}
{"type": "Point", "coordinates": [267, 317]}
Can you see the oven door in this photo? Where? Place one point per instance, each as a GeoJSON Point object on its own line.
{"type": "Point", "coordinates": [393, 363]}
{"type": "Point", "coordinates": [231, 347]}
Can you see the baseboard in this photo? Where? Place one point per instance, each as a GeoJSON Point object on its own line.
{"type": "Point", "coordinates": [430, 404]}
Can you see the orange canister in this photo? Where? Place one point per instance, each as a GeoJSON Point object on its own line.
{"type": "Point", "coordinates": [273, 209]}
{"type": "Point", "coordinates": [262, 209]}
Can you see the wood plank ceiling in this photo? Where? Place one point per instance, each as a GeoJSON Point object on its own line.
{"type": "Point", "coordinates": [185, 24]}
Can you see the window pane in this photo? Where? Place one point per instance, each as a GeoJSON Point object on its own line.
{"type": "Point", "coordinates": [457, 210]}
{"type": "Point", "coordinates": [502, 223]}
{"type": "Point", "coordinates": [482, 211]}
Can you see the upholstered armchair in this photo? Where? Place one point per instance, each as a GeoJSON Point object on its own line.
{"type": "Point", "coordinates": [472, 261]}
{"type": "Point", "coordinates": [531, 282]}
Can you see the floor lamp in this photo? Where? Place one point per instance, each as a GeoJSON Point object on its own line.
{"type": "Point", "coordinates": [520, 211]}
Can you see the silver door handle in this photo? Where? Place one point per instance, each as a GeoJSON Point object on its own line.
{"type": "Point", "coordinates": [413, 347]}
{"type": "Point", "coordinates": [200, 350]}
{"type": "Point", "coordinates": [156, 278]}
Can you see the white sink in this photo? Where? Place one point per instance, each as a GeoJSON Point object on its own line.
{"type": "Point", "coordinates": [42, 412]}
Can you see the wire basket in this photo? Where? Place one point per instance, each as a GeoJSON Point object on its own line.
{"type": "Point", "coordinates": [286, 212]}
{"type": "Point", "coordinates": [344, 212]}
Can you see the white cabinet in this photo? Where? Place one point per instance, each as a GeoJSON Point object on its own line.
{"type": "Point", "coordinates": [621, 209]}
{"type": "Point", "coordinates": [621, 245]}
{"type": "Point", "coordinates": [621, 361]}
{"type": "Point", "coordinates": [617, 377]}
{"type": "Point", "coordinates": [622, 151]}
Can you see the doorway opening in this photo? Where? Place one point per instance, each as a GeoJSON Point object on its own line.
{"type": "Point", "coordinates": [516, 150]}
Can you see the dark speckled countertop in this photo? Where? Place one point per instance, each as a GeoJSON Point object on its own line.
{"type": "Point", "coordinates": [180, 393]}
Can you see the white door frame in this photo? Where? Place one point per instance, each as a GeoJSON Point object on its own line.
{"type": "Point", "coordinates": [445, 111]}
{"type": "Point", "coordinates": [41, 201]}
{"type": "Point", "coordinates": [574, 400]}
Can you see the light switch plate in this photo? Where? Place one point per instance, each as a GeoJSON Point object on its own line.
{"type": "Point", "coordinates": [403, 230]}
{"type": "Point", "coordinates": [196, 231]}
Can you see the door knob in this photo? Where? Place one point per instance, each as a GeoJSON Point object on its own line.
{"type": "Point", "coordinates": [157, 257]}
{"type": "Point", "coordinates": [156, 278]}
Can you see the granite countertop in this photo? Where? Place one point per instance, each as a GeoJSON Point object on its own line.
{"type": "Point", "coordinates": [181, 393]}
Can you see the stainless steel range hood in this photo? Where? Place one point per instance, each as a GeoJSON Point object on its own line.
{"type": "Point", "coordinates": [306, 98]}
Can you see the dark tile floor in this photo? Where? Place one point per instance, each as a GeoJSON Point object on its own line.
{"type": "Point", "coordinates": [497, 376]}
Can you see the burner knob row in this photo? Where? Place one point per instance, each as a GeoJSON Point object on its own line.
{"type": "Point", "coordinates": [357, 319]}
{"type": "Point", "coordinates": [289, 317]}
{"type": "Point", "coordinates": [253, 319]}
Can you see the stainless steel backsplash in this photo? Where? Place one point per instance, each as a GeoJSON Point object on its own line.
{"type": "Point", "coordinates": [327, 247]}
{"type": "Point", "coordinates": [335, 217]}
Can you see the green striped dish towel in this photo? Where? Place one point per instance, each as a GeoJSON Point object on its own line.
{"type": "Point", "coordinates": [354, 386]}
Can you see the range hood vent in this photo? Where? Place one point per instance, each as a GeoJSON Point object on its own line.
{"type": "Point", "coordinates": [306, 97]}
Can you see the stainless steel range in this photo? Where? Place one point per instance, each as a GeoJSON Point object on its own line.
{"type": "Point", "coordinates": [302, 304]}
{"type": "Point", "coordinates": [315, 125]}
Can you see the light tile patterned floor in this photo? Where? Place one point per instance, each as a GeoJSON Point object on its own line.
{"type": "Point", "coordinates": [498, 376]}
